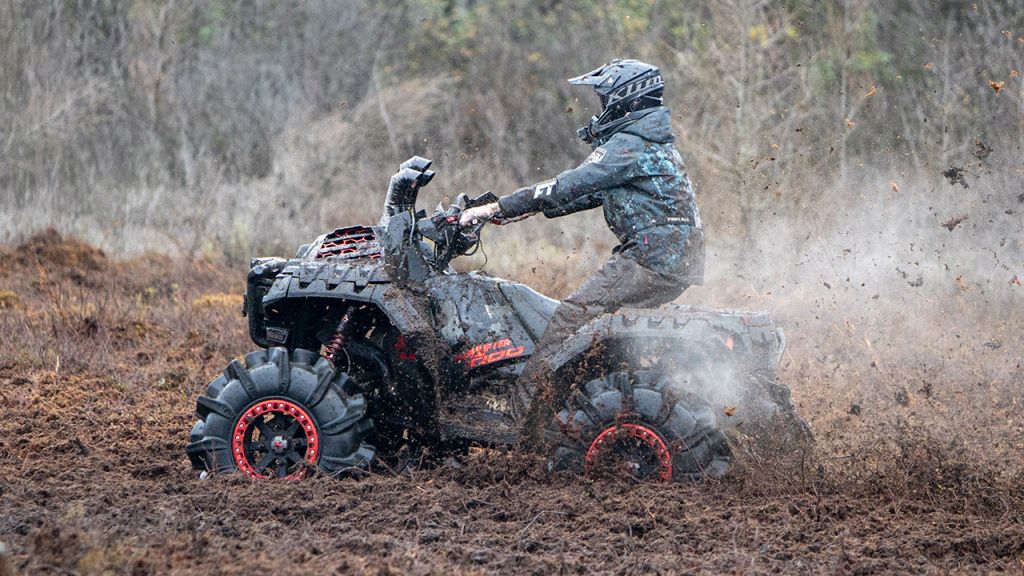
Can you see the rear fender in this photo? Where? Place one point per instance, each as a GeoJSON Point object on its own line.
{"type": "Point", "coordinates": [746, 339]}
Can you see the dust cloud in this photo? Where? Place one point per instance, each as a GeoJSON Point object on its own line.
{"type": "Point", "coordinates": [900, 296]}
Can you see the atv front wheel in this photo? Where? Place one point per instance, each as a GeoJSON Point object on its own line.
{"type": "Point", "coordinates": [280, 415]}
{"type": "Point", "coordinates": [637, 425]}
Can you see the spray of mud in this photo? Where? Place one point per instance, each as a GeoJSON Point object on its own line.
{"type": "Point", "coordinates": [901, 299]}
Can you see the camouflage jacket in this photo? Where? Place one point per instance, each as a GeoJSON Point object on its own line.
{"type": "Point", "coordinates": [639, 178]}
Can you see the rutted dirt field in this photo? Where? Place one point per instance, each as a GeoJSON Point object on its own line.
{"type": "Point", "coordinates": [101, 362]}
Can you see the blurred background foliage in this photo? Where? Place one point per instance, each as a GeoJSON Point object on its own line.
{"type": "Point", "coordinates": [229, 127]}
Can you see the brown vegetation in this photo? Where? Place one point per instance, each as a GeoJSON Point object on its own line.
{"type": "Point", "coordinates": [215, 128]}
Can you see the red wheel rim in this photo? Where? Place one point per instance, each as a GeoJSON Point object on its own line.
{"type": "Point", "coordinates": [275, 439]}
{"type": "Point", "coordinates": [607, 444]}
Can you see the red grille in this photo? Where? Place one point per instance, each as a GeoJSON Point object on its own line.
{"type": "Point", "coordinates": [350, 243]}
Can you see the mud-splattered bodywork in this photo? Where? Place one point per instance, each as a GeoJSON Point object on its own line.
{"type": "Point", "coordinates": [490, 324]}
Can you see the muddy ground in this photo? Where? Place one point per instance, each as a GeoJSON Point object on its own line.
{"type": "Point", "coordinates": [101, 362]}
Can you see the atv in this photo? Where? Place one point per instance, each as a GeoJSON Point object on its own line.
{"type": "Point", "coordinates": [338, 385]}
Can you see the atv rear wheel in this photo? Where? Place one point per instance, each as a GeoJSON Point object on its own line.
{"type": "Point", "coordinates": [280, 415]}
{"type": "Point", "coordinates": [637, 425]}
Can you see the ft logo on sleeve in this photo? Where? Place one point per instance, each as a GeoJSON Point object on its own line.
{"type": "Point", "coordinates": [544, 188]}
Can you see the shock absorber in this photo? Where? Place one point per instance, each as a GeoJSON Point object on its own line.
{"type": "Point", "coordinates": [335, 347]}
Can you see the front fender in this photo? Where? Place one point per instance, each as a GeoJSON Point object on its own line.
{"type": "Point", "coordinates": [301, 288]}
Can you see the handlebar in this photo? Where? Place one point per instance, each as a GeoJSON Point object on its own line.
{"type": "Point", "coordinates": [451, 238]}
{"type": "Point", "coordinates": [402, 230]}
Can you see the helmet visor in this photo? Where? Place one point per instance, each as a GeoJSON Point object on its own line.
{"type": "Point", "coordinates": [593, 78]}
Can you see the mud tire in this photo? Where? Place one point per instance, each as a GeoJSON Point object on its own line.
{"type": "Point", "coordinates": [685, 424]}
{"type": "Point", "coordinates": [300, 378]}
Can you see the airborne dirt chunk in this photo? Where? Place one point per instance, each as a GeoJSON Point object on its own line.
{"type": "Point", "coordinates": [954, 222]}
{"type": "Point", "coordinates": [955, 175]}
{"type": "Point", "coordinates": [982, 150]}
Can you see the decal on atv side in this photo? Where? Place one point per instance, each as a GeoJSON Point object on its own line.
{"type": "Point", "coordinates": [489, 353]}
{"type": "Point", "coordinates": [544, 188]}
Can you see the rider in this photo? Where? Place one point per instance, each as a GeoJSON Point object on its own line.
{"type": "Point", "coordinates": [636, 174]}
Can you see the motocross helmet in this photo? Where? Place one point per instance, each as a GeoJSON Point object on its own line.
{"type": "Point", "coordinates": [623, 86]}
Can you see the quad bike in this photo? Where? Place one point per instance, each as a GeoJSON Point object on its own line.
{"type": "Point", "coordinates": [337, 386]}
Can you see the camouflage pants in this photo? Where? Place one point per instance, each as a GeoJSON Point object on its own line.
{"type": "Point", "coordinates": [620, 282]}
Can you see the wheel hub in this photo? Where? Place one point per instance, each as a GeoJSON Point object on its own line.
{"type": "Point", "coordinates": [633, 448]}
{"type": "Point", "coordinates": [279, 444]}
{"type": "Point", "coordinates": [275, 439]}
